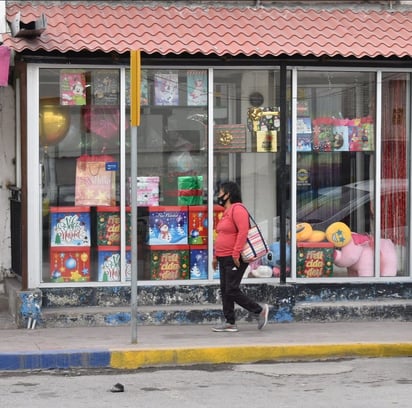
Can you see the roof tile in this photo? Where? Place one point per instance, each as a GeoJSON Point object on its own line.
{"type": "Point", "coordinates": [214, 30]}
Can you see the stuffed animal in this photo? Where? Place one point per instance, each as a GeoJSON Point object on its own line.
{"type": "Point", "coordinates": [272, 258]}
{"type": "Point", "coordinates": [356, 252]}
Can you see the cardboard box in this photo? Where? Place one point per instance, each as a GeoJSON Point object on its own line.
{"type": "Point", "coordinates": [229, 138]}
{"type": "Point", "coordinates": [198, 262]}
{"type": "Point", "coordinates": [69, 226]}
{"type": "Point", "coordinates": [168, 262]}
{"type": "Point", "coordinates": [109, 263]}
{"type": "Point", "coordinates": [108, 226]}
{"type": "Point", "coordinates": [167, 225]}
{"type": "Point", "coordinates": [147, 191]}
{"type": "Point", "coordinates": [69, 264]}
{"type": "Point", "coordinates": [314, 260]}
{"type": "Point", "coordinates": [198, 223]}
{"type": "Point", "coordinates": [190, 190]}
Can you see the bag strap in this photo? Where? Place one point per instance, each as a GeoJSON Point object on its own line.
{"type": "Point", "coordinates": [250, 216]}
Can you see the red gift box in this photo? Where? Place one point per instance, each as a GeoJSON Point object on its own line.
{"type": "Point", "coordinates": [70, 264]}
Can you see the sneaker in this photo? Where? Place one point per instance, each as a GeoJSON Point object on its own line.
{"type": "Point", "coordinates": [263, 317]}
{"type": "Point", "coordinates": [225, 327]}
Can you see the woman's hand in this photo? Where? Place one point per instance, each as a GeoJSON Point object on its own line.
{"type": "Point", "coordinates": [236, 261]}
{"type": "Point", "coordinates": [214, 263]}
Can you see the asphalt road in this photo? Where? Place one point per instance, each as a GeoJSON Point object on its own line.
{"type": "Point", "coordinates": [376, 382]}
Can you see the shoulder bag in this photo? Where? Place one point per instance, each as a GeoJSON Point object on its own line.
{"type": "Point", "coordinates": [255, 246]}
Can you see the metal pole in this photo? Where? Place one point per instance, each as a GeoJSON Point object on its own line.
{"type": "Point", "coordinates": [133, 285]}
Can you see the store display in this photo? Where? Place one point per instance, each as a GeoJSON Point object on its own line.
{"type": "Point", "coordinates": [108, 225]}
{"type": "Point", "coordinates": [190, 190]}
{"type": "Point", "coordinates": [167, 225]}
{"type": "Point", "coordinates": [69, 264]}
{"type": "Point", "coordinates": [169, 262]}
{"type": "Point", "coordinates": [229, 138]}
{"type": "Point", "coordinates": [109, 264]}
{"type": "Point", "coordinates": [198, 223]}
{"type": "Point", "coordinates": [147, 191]}
{"type": "Point", "coordinates": [166, 85]}
{"type": "Point", "coordinates": [198, 262]}
{"type": "Point", "coordinates": [70, 226]}
{"type": "Point", "coordinates": [72, 87]}
{"type": "Point", "coordinates": [197, 88]}
{"type": "Point", "coordinates": [95, 184]}
{"type": "Point", "coordinates": [314, 260]}
{"type": "Point", "coordinates": [105, 87]}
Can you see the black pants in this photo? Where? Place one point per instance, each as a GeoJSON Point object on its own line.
{"type": "Point", "coordinates": [230, 278]}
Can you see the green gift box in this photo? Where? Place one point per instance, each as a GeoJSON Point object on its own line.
{"type": "Point", "coordinates": [190, 190]}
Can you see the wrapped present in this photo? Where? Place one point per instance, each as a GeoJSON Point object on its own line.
{"type": "Point", "coordinates": [229, 138]}
{"type": "Point", "coordinates": [109, 264]}
{"type": "Point", "coordinates": [167, 225]}
{"type": "Point", "coordinates": [147, 191]}
{"type": "Point", "coordinates": [108, 225]}
{"type": "Point", "coordinates": [69, 226]}
{"type": "Point", "coordinates": [70, 264]}
{"type": "Point", "coordinates": [314, 260]}
{"type": "Point", "coordinates": [198, 262]}
{"type": "Point", "coordinates": [169, 262]}
{"type": "Point", "coordinates": [198, 223]}
{"type": "Point", "coordinates": [190, 190]}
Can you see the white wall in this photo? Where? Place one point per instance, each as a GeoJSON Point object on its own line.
{"type": "Point", "coordinates": [7, 173]}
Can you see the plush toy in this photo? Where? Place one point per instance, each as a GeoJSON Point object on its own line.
{"type": "Point", "coordinates": [356, 252]}
{"type": "Point", "coordinates": [272, 258]}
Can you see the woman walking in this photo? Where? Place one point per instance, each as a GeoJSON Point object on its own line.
{"type": "Point", "coordinates": [231, 237]}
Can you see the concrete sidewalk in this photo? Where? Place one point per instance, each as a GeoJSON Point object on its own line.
{"type": "Point", "coordinates": [111, 347]}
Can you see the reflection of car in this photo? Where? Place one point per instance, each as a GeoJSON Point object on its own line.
{"type": "Point", "coordinates": [350, 203]}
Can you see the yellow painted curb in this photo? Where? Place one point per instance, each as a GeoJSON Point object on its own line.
{"type": "Point", "coordinates": [137, 358]}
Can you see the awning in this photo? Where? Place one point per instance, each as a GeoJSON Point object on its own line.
{"type": "Point", "coordinates": [78, 26]}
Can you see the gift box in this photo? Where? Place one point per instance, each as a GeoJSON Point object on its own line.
{"type": "Point", "coordinates": [108, 225]}
{"type": "Point", "coordinates": [190, 190]}
{"type": "Point", "coordinates": [167, 225]}
{"type": "Point", "coordinates": [70, 264]}
{"type": "Point", "coordinates": [198, 223]}
{"type": "Point", "coordinates": [69, 226]}
{"type": "Point", "coordinates": [168, 262]}
{"type": "Point", "coordinates": [314, 260]}
{"type": "Point", "coordinates": [109, 262]}
{"type": "Point", "coordinates": [198, 262]}
{"type": "Point", "coordinates": [147, 191]}
{"type": "Point", "coordinates": [229, 138]}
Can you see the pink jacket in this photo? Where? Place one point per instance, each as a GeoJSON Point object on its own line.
{"type": "Point", "coordinates": [232, 231]}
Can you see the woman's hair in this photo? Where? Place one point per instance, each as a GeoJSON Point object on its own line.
{"type": "Point", "coordinates": [234, 191]}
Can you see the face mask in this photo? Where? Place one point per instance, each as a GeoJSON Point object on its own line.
{"type": "Point", "coordinates": [222, 201]}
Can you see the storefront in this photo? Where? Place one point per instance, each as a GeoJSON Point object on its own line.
{"type": "Point", "coordinates": [319, 146]}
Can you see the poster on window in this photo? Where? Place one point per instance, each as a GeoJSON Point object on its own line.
{"type": "Point", "coordinates": [72, 87]}
{"type": "Point", "coordinates": [144, 89]}
{"type": "Point", "coordinates": [304, 134]}
{"type": "Point", "coordinates": [166, 88]}
{"type": "Point", "coordinates": [197, 88]}
{"type": "Point", "coordinates": [105, 87]}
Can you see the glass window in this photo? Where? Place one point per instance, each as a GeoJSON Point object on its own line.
{"type": "Point", "coordinates": [172, 175]}
{"type": "Point", "coordinates": [247, 137]}
{"type": "Point", "coordinates": [79, 128]}
{"type": "Point", "coordinates": [395, 147]}
{"type": "Point", "coordinates": [335, 173]}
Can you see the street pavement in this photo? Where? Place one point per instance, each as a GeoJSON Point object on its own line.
{"type": "Point", "coordinates": [175, 345]}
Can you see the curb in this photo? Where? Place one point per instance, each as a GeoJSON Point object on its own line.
{"type": "Point", "coordinates": [145, 357]}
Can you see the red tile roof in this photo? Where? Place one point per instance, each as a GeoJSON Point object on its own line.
{"type": "Point", "coordinates": [206, 30]}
